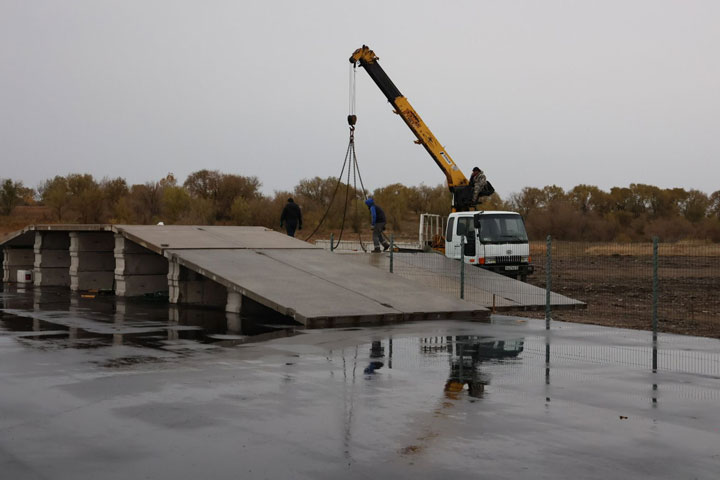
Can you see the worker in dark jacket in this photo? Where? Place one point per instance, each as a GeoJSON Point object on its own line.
{"type": "Point", "coordinates": [377, 217]}
{"type": "Point", "coordinates": [292, 217]}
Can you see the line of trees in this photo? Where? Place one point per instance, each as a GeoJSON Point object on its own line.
{"type": "Point", "coordinates": [633, 213]}
{"type": "Point", "coordinates": [210, 197]}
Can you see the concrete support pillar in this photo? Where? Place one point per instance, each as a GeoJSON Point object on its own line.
{"type": "Point", "coordinates": [37, 299]}
{"type": "Point", "coordinates": [234, 322]}
{"type": "Point", "coordinates": [233, 307]}
{"type": "Point", "coordinates": [191, 288]}
{"type": "Point", "coordinates": [92, 261]}
{"type": "Point", "coordinates": [173, 320]}
{"type": "Point", "coordinates": [52, 259]}
{"type": "Point", "coordinates": [173, 279]}
{"type": "Point", "coordinates": [119, 321]}
{"type": "Point", "coordinates": [15, 259]}
{"type": "Point", "coordinates": [138, 270]}
{"type": "Point", "coordinates": [234, 302]}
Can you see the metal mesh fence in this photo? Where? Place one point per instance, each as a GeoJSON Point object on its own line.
{"type": "Point", "coordinates": [615, 280]}
{"type": "Point", "coordinates": [591, 282]}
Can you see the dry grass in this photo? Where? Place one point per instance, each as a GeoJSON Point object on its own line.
{"type": "Point", "coordinates": [693, 248]}
{"type": "Point", "coordinates": [22, 217]}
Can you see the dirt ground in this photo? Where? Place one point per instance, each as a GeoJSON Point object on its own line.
{"type": "Point", "coordinates": [618, 291]}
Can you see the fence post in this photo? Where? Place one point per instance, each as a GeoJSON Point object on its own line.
{"type": "Point", "coordinates": [332, 242]}
{"type": "Point", "coordinates": [548, 281]}
{"type": "Point", "coordinates": [462, 267]}
{"type": "Point", "coordinates": [392, 247]}
{"type": "Point", "coordinates": [655, 300]}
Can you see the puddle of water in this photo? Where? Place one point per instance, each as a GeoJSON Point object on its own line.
{"type": "Point", "coordinates": [51, 318]}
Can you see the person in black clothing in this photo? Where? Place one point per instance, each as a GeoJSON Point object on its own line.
{"type": "Point", "coordinates": [292, 217]}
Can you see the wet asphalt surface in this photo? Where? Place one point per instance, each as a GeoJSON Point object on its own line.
{"type": "Point", "coordinates": [95, 388]}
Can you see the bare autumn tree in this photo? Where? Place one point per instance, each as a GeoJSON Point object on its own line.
{"type": "Point", "coordinates": [113, 190]}
{"type": "Point", "coordinates": [54, 194]}
{"type": "Point", "coordinates": [694, 205]}
{"type": "Point", "coordinates": [319, 190]}
{"type": "Point", "coordinates": [86, 199]}
{"type": "Point", "coordinates": [145, 202]}
{"type": "Point", "coordinates": [588, 198]}
{"type": "Point", "coordinates": [527, 201]}
{"type": "Point", "coordinates": [552, 194]}
{"type": "Point", "coordinates": [494, 202]}
{"type": "Point", "coordinates": [232, 188]}
{"type": "Point", "coordinates": [322, 197]}
{"type": "Point", "coordinates": [209, 197]}
{"type": "Point", "coordinates": [714, 205]}
{"type": "Point", "coordinates": [435, 199]}
{"type": "Point", "coordinates": [222, 190]}
{"type": "Point", "coordinates": [10, 196]}
{"type": "Point", "coordinates": [175, 204]}
{"type": "Point", "coordinates": [203, 183]}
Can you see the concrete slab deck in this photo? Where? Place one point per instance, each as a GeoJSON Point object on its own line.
{"type": "Point", "coordinates": [318, 288]}
{"type": "Point", "coordinates": [159, 238]}
{"type": "Point", "coordinates": [305, 282]}
{"type": "Point", "coordinates": [482, 287]}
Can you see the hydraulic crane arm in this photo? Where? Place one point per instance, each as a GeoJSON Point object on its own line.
{"type": "Point", "coordinates": [455, 178]}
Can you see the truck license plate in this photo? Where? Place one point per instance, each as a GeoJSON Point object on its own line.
{"type": "Point", "coordinates": [512, 267]}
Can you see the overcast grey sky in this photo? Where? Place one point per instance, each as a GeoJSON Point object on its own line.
{"type": "Point", "coordinates": [605, 93]}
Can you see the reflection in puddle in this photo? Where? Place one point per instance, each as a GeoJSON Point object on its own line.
{"type": "Point", "coordinates": [49, 318]}
{"type": "Point", "coordinates": [466, 355]}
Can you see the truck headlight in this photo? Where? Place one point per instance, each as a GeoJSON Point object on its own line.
{"type": "Point", "coordinates": [490, 260]}
{"type": "Point", "coordinates": [525, 259]}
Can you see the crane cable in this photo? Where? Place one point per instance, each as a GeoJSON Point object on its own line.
{"type": "Point", "coordinates": [352, 167]}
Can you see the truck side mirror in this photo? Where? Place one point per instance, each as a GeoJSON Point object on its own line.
{"type": "Point", "coordinates": [476, 222]}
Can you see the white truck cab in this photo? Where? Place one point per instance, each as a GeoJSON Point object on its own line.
{"type": "Point", "coordinates": [494, 240]}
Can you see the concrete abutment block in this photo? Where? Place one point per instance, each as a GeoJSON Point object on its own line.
{"type": "Point", "coordinates": [51, 266]}
{"type": "Point", "coordinates": [192, 288]}
{"type": "Point", "coordinates": [92, 261]}
{"type": "Point", "coordinates": [15, 259]}
{"type": "Point", "coordinates": [138, 271]}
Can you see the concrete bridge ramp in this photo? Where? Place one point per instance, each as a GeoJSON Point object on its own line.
{"type": "Point", "coordinates": [321, 289]}
{"type": "Point", "coordinates": [160, 238]}
{"type": "Point", "coordinates": [237, 268]}
{"type": "Point", "coordinates": [482, 287]}
{"type": "Point", "coordinates": [290, 276]}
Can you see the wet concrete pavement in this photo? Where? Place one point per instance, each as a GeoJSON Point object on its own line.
{"type": "Point", "coordinates": [92, 392]}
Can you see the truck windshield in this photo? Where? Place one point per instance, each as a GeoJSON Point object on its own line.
{"type": "Point", "coordinates": [502, 228]}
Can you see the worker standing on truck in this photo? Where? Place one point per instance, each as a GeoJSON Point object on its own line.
{"type": "Point", "coordinates": [477, 182]}
{"type": "Point", "coordinates": [377, 216]}
{"type": "Point", "coordinates": [292, 217]}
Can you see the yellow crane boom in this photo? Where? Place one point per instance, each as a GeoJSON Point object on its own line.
{"type": "Point", "coordinates": [456, 180]}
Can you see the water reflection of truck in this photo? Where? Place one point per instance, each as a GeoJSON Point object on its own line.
{"type": "Point", "coordinates": [467, 353]}
{"type": "Point", "coordinates": [494, 240]}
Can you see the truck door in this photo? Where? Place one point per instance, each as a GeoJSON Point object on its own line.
{"type": "Point", "coordinates": [467, 224]}
{"type": "Point", "coordinates": [452, 240]}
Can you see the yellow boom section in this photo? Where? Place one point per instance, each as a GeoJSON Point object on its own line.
{"type": "Point", "coordinates": [426, 138]}
{"type": "Point", "coordinates": [369, 61]}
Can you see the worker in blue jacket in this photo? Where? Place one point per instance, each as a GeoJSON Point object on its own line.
{"type": "Point", "coordinates": [377, 216]}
